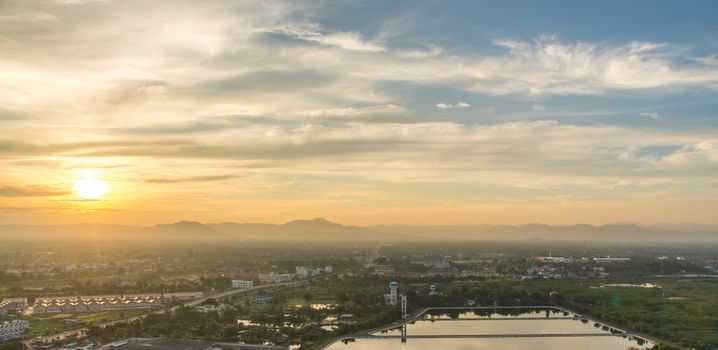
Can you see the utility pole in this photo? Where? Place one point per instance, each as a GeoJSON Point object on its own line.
{"type": "Point", "coordinates": [403, 306]}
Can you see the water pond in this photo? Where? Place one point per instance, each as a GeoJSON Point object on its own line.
{"type": "Point", "coordinates": [527, 329]}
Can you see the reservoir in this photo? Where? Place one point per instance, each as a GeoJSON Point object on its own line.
{"type": "Point", "coordinates": [496, 329]}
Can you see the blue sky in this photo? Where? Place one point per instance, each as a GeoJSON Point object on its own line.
{"type": "Point", "coordinates": [360, 111]}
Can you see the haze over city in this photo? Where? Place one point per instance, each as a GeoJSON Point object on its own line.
{"type": "Point", "coordinates": [364, 113]}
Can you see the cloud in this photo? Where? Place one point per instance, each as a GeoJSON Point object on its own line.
{"type": "Point", "coordinates": [549, 66]}
{"type": "Point", "coordinates": [345, 40]}
{"type": "Point", "coordinates": [293, 102]}
{"type": "Point", "coordinates": [652, 115]}
{"type": "Point", "coordinates": [175, 179]}
{"type": "Point", "coordinates": [459, 105]}
{"type": "Point", "coordinates": [378, 113]}
{"type": "Point", "coordinates": [29, 17]}
{"type": "Point", "coordinates": [31, 191]}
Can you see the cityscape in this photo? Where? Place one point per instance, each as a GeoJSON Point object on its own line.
{"type": "Point", "coordinates": [358, 175]}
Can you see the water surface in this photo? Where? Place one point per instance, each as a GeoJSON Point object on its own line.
{"type": "Point", "coordinates": [501, 322]}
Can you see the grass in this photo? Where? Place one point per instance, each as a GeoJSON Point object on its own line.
{"type": "Point", "coordinates": [52, 323]}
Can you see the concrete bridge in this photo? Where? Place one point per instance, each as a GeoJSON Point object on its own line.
{"type": "Point", "coordinates": [499, 319]}
{"type": "Point", "coordinates": [515, 335]}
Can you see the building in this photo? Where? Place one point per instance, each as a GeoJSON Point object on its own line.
{"type": "Point", "coordinates": [553, 259]}
{"type": "Point", "coordinates": [183, 296]}
{"type": "Point", "coordinates": [242, 284]}
{"type": "Point", "coordinates": [305, 272]}
{"type": "Point", "coordinates": [220, 309]}
{"type": "Point", "coordinates": [13, 329]}
{"type": "Point", "coordinates": [401, 274]}
{"type": "Point", "coordinates": [611, 260]}
{"type": "Point", "coordinates": [437, 264]}
{"type": "Point", "coordinates": [383, 270]}
{"type": "Point", "coordinates": [433, 290]}
{"type": "Point", "coordinates": [392, 297]}
{"type": "Point", "coordinates": [262, 298]}
{"type": "Point", "coordinates": [276, 278]}
{"type": "Point", "coordinates": [95, 303]}
{"type": "Point", "coordinates": [12, 304]}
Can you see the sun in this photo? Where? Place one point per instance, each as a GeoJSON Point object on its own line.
{"type": "Point", "coordinates": [90, 188]}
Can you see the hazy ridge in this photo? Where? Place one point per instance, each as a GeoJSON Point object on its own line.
{"type": "Point", "coordinates": [322, 230]}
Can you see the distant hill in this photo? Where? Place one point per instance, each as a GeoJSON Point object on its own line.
{"type": "Point", "coordinates": [183, 228]}
{"type": "Point", "coordinates": [315, 229]}
{"type": "Point", "coordinates": [319, 229]}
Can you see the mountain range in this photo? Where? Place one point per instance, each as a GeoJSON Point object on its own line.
{"type": "Point", "coordinates": [322, 230]}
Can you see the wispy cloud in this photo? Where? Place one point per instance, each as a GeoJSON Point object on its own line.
{"type": "Point", "coordinates": [31, 191]}
{"type": "Point", "coordinates": [291, 101]}
{"type": "Point", "coordinates": [652, 115]}
{"type": "Point", "coordinates": [458, 105]}
{"type": "Point", "coordinates": [345, 40]}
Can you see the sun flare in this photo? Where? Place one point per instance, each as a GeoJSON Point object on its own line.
{"type": "Point", "coordinates": [90, 188]}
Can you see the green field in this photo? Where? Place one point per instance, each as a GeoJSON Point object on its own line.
{"type": "Point", "coordinates": [52, 323]}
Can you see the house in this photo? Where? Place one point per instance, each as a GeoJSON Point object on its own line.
{"type": "Point", "coordinates": [276, 278]}
{"type": "Point", "coordinates": [13, 329]}
{"type": "Point", "coordinates": [243, 284]}
{"type": "Point", "coordinates": [262, 298]}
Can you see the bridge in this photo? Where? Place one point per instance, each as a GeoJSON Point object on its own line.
{"type": "Point", "coordinates": [509, 335]}
{"type": "Point", "coordinates": [499, 319]}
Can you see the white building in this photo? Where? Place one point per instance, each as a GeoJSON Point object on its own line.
{"type": "Point", "coordinates": [242, 284]}
{"type": "Point", "coordinates": [305, 272]}
{"type": "Point", "coordinates": [443, 264]}
{"type": "Point", "coordinates": [610, 260]}
{"type": "Point", "coordinates": [553, 259]}
{"type": "Point", "coordinates": [392, 297]}
{"type": "Point", "coordinates": [433, 290]}
{"type": "Point", "coordinates": [13, 329]}
{"type": "Point", "coordinates": [94, 303]}
{"type": "Point", "coordinates": [276, 278]}
{"type": "Point", "coordinates": [10, 304]}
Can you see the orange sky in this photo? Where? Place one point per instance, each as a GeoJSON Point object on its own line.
{"type": "Point", "coordinates": [269, 111]}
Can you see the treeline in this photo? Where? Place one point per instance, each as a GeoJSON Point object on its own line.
{"type": "Point", "coordinates": [636, 309]}
{"type": "Point", "coordinates": [185, 322]}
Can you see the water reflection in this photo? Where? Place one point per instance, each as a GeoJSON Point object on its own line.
{"type": "Point", "coordinates": [518, 322]}
{"type": "Point", "coordinates": [585, 343]}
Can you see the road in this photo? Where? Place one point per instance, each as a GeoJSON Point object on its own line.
{"type": "Point", "coordinates": [217, 296]}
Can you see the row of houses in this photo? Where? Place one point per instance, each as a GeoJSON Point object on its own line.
{"type": "Point", "coordinates": [95, 303]}
{"type": "Point", "coordinates": [13, 329]}
{"type": "Point", "coordinates": [12, 304]}
{"type": "Point", "coordinates": [273, 278]}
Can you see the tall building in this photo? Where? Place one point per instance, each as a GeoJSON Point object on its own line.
{"type": "Point", "coordinates": [392, 297]}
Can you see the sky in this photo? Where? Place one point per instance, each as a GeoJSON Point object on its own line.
{"type": "Point", "coordinates": [361, 112]}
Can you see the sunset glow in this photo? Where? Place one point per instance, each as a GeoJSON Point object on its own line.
{"type": "Point", "coordinates": [90, 188]}
{"type": "Point", "coordinates": [277, 110]}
